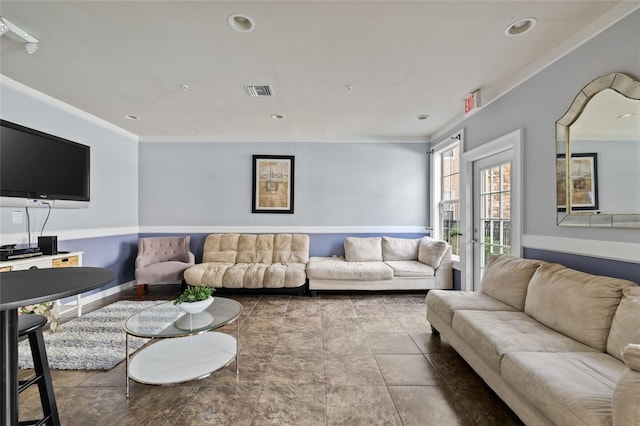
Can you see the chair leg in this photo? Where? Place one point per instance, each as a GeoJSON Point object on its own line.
{"type": "Point", "coordinates": [45, 385]}
{"type": "Point", "coordinates": [140, 287]}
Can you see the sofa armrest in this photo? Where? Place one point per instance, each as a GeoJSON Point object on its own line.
{"type": "Point", "coordinates": [625, 405]}
{"type": "Point", "coordinates": [444, 272]}
{"type": "Point", "coordinates": [191, 259]}
{"type": "Point", "coordinates": [140, 262]}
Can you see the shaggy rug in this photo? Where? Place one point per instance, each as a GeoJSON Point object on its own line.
{"type": "Point", "coordinates": [95, 341]}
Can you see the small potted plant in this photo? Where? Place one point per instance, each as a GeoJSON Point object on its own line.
{"type": "Point", "coordinates": [195, 299]}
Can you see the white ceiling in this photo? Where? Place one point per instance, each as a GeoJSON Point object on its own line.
{"type": "Point", "coordinates": [402, 59]}
{"type": "Point", "coordinates": [606, 118]}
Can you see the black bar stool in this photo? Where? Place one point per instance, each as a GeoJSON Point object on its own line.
{"type": "Point", "coordinates": [31, 326]}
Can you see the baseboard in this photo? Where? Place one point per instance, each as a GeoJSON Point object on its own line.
{"type": "Point", "coordinates": [102, 294]}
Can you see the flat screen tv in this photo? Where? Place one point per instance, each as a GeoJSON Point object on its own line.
{"type": "Point", "coordinates": [39, 169]}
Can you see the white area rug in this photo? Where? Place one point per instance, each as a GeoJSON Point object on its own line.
{"type": "Point", "coordinates": [95, 341]}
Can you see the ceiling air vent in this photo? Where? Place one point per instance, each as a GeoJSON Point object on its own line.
{"type": "Point", "coordinates": [258, 90]}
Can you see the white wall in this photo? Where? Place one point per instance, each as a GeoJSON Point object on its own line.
{"type": "Point", "coordinates": [536, 104]}
{"type": "Point", "coordinates": [114, 165]}
{"type": "Point", "coordinates": [618, 173]}
{"type": "Point", "coordinates": [336, 184]}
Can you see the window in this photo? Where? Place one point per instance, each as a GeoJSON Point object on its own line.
{"type": "Point", "coordinates": [495, 211]}
{"type": "Point", "coordinates": [446, 192]}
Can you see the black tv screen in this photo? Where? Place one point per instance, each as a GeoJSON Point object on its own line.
{"type": "Point", "coordinates": [37, 165]}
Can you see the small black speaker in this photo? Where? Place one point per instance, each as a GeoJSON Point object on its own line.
{"type": "Point", "coordinates": [48, 245]}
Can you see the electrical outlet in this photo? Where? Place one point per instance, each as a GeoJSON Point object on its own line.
{"type": "Point", "coordinates": [17, 217]}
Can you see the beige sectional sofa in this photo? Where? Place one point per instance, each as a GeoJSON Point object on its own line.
{"type": "Point", "coordinates": [559, 346]}
{"type": "Point", "coordinates": [251, 261]}
{"type": "Point", "coordinates": [384, 263]}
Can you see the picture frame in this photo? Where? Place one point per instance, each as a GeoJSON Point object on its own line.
{"type": "Point", "coordinates": [273, 184]}
{"type": "Point", "coordinates": [584, 182]}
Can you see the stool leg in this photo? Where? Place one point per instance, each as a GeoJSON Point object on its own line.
{"type": "Point", "coordinates": [9, 366]}
{"type": "Point", "coordinates": [45, 385]}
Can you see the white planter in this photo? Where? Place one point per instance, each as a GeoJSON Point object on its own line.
{"type": "Point", "coordinates": [195, 307]}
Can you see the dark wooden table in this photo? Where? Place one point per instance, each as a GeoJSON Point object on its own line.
{"type": "Point", "coordinates": [21, 288]}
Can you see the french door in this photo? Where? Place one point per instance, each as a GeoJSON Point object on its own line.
{"type": "Point", "coordinates": [492, 173]}
{"type": "Point", "coordinates": [492, 209]}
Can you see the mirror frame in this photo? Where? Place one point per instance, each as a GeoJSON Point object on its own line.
{"type": "Point", "coordinates": [628, 87]}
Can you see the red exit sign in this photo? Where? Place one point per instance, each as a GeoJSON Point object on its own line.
{"type": "Point", "coordinates": [471, 102]}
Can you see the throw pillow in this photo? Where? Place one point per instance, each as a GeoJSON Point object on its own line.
{"type": "Point", "coordinates": [506, 278]}
{"type": "Point", "coordinates": [431, 252]}
{"type": "Point", "coordinates": [400, 248]}
{"type": "Point", "coordinates": [576, 304]}
{"type": "Point", "coordinates": [626, 322]}
{"type": "Point", "coordinates": [363, 249]}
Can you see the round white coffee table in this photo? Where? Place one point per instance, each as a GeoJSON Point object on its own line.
{"type": "Point", "coordinates": [187, 349]}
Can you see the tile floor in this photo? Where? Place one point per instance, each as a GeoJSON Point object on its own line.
{"type": "Point", "coordinates": [347, 359]}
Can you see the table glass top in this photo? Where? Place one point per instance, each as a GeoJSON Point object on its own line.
{"type": "Point", "coordinates": [168, 320]}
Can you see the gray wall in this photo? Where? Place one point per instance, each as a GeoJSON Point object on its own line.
{"type": "Point", "coordinates": [114, 165]}
{"type": "Point", "coordinates": [536, 104]}
{"type": "Point", "coordinates": [352, 184]}
{"type": "Point", "coordinates": [618, 173]}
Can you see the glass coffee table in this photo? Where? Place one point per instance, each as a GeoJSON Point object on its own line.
{"type": "Point", "coordinates": [188, 349]}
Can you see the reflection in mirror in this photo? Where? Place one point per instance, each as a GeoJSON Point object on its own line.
{"type": "Point", "coordinates": [601, 135]}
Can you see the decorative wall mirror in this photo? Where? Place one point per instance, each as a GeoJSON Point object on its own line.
{"type": "Point", "coordinates": [600, 134]}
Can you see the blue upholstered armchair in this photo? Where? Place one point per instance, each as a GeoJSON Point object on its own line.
{"type": "Point", "coordinates": [162, 260]}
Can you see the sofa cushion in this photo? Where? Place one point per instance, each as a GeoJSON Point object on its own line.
{"type": "Point", "coordinates": [245, 275]}
{"type": "Point", "coordinates": [210, 274]}
{"type": "Point", "coordinates": [363, 249]}
{"type": "Point", "coordinates": [575, 303]}
{"type": "Point", "coordinates": [431, 252]}
{"type": "Point", "coordinates": [625, 327]}
{"type": "Point", "coordinates": [337, 268]}
{"type": "Point", "coordinates": [570, 388]}
{"type": "Point", "coordinates": [444, 303]}
{"type": "Point", "coordinates": [493, 334]}
{"type": "Point", "coordinates": [400, 248]}
{"type": "Point", "coordinates": [410, 268]}
{"type": "Point", "coordinates": [220, 248]}
{"type": "Point", "coordinates": [288, 275]}
{"type": "Point", "coordinates": [506, 278]}
{"type": "Point", "coordinates": [291, 248]}
{"type": "Point", "coordinates": [255, 248]}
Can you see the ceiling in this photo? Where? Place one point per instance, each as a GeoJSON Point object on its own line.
{"type": "Point", "coordinates": [400, 60]}
{"type": "Point", "coordinates": [608, 116]}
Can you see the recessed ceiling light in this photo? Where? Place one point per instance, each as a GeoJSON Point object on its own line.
{"type": "Point", "coordinates": [241, 23]}
{"type": "Point", "coordinates": [131, 117]}
{"type": "Point", "coordinates": [277, 116]}
{"type": "Point", "coordinates": [627, 115]}
{"type": "Point", "coordinates": [520, 27]}
{"type": "Point", "coordinates": [422, 117]}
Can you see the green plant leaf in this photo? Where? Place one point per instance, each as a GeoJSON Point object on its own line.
{"type": "Point", "coordinates": [194, 294]}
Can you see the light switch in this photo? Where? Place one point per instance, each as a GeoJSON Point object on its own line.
{"type": "Point", "coordinates": [17, 217]}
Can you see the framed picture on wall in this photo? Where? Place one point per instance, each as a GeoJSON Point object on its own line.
{"type": "Point", "coordinates": [584, 182]}
{"type": "Point", "coordinates": [273, 178]}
